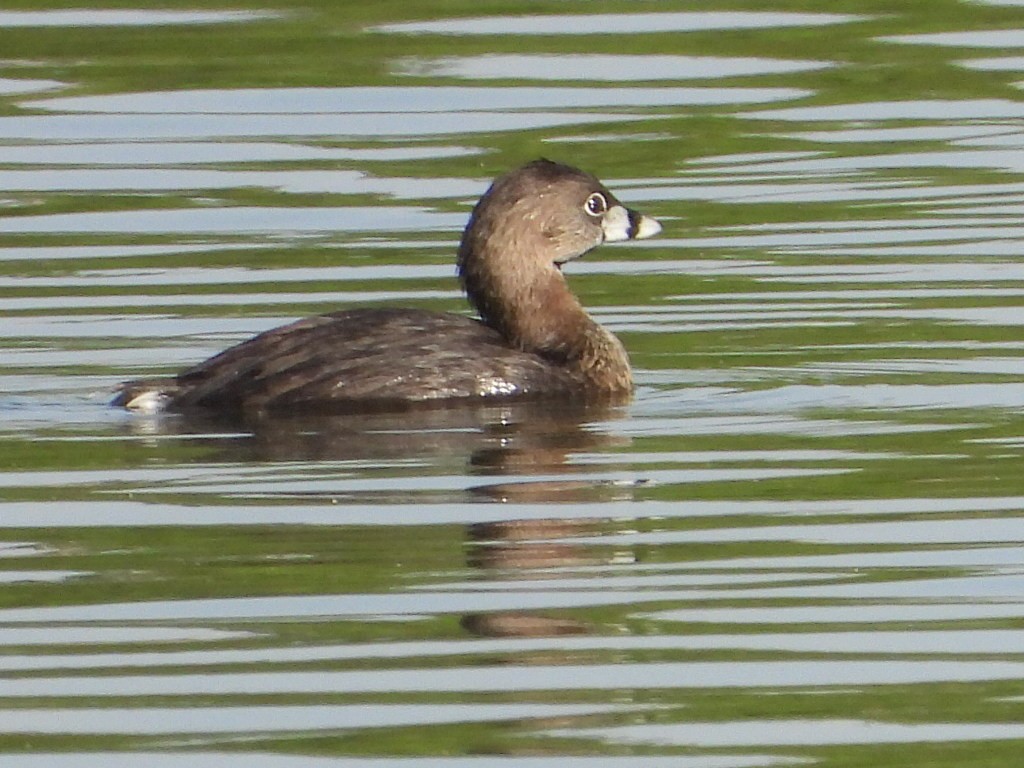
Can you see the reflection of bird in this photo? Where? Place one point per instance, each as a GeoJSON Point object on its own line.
{"type": "Point", "coordinates": [533, 339]}
{"type": "Point", "coordinates": [531, 549]}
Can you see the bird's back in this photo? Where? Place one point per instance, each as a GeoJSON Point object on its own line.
{"type": "Point", "coordinates": [358, 360]}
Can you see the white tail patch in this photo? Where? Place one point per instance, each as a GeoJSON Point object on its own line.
{"type": "Point", "coordinates": [150, 401]}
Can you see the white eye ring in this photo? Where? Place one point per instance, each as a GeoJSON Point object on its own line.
{"type": "Point", "coordinates": [596, 204]}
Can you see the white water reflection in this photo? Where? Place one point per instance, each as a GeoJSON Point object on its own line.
{"type": "Point", "coordinates": [136, 154]}
{"type": "Point", "coordinates": [1009, 160]}
{"type": "Point", "coordinates": [10, 86]}
{"type": "Point", "coordinates": [93, 325]}
{"type": "Point", "coordinates": [95, 635]}
{"type": "Point", "coordinates": [540, 677]}
{"type": "Point", "coordinates": [270, 719]}
{"type": "Point", "coordinates": [981, 38]}
{"type": "Point", "coordinates": [881, 396]}
{"type": "Point", "coordinates": [150, 127]}
{"type": "Point", "coordinates": [617, 24]}
{"type": "Point", "coordinates": [75, 252]}
{"type": "Point", "coordinates": [125, 18]}
{"type": "Point", "coordinates": [918, 642]}
{"type": "Point", "coordinates": [865, 236]}
{"type": "Point", "coordinates": [922, 109]}
{"type": "Point", "coordinates": [985, 558]}
{"type": "Point", "coordinates": [817, 314]}
{"type": "Point", "coordinates": [43, 577]}
{"type": "Point", "coordinates": [1011, 138]}
{"type": "Point", "coordinates": [999, 64]}
{"type": "Point", "coordinates": [861, 612]}
{"type": "Point", "coordinates": [899, 272]}
{"type": "Point", "coordinates": [337, 182]}
{"type": "Point", "coordinates": [776, 188]}
{"type": "Point", "coordinates": [307, 483]}
{"type": "Point", "coordinates": [240, 275]}
{"type": "Point", "coordinates": [975, 531]}
{"type": "Point", "coordinates": [252, 759]}
{"type": "Point", "coordinates": [783, 732]}
{"type": "Point", "coordinates": [155, 326]}
{"type": "Point", "coordinates": [971, 596]}
{"type": "Point", "coordinates": [280, 222]}
{"type": "Point", "coordinates": [598, 67]}
{"type": "Point", "coordinates": [455, 99]}
{"type": "Point", "coordinates": [322, 512]}
{"type": "Point", "coordinates": [952, 133]}
{"type": "Point", "coordinates": [312, 488]}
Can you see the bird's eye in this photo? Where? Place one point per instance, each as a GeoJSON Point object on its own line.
{"type": "Point", "coordinates": [596, 204]}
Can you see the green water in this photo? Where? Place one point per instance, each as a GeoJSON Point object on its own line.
{"type": "Point", "coordinates": [800, 544]}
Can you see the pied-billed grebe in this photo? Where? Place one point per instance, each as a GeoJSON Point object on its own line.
{"type": "Point", "coordinates": [533, 339]}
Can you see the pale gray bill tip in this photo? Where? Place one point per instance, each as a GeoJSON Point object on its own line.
{"type": "Point", "coordinates": [644, 227]}
{"type": "Point", "coordinates": [620, 223]}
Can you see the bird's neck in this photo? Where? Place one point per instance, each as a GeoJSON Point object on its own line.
{"type": "Point", "coordinates": [536, 312]}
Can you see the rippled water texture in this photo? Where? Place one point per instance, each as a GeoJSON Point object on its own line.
{"type": "Point", "coordinates": [801, 544]}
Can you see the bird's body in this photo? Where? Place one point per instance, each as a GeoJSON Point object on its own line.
{"type": "Point", "coordinates": [533, 340]}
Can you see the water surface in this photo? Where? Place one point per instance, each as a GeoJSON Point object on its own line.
{"type": "Point", "coordinates": [801, 543]}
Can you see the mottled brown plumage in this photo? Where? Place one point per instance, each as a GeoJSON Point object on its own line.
{"type": "Point", "coordinates": [534, 339]}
